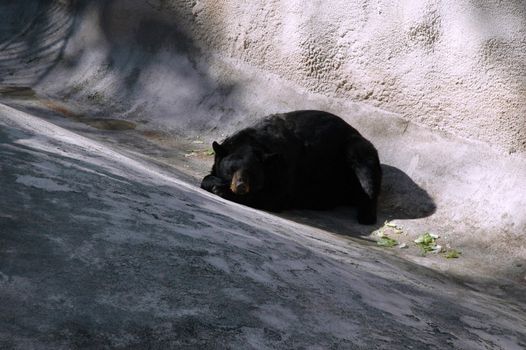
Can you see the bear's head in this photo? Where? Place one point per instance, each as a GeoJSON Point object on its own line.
{"type": "Point", "coordinates": [241, 167]}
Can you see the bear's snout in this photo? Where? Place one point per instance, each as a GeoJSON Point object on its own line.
{"type": "Point", "coordinates": [239, 184]}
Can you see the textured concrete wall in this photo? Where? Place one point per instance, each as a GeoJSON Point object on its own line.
{"type": "Point", "coordinates": [458, 66]}
{"type": "Point", "coordinates": [454, 65]}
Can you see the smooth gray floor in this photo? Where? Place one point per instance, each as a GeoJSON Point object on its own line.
{"type": "Point", "coordinates": [98, 250]}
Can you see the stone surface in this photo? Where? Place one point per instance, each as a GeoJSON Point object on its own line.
{"type": "Point", "coordinates": [108, 107]}
{"type": "Point", "coordinates": [99, 249]}
{"type": "Point", "coordinates": [458, 66]}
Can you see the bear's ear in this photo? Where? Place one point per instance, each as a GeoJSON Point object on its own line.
{"type": "Point", "coordinates": [218, 149]}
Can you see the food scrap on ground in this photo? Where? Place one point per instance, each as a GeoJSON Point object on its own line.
{"type": "Point", "coordinates": [386, 241]}
{"type": "Point", "coordinates": [452, 254]}
{"type": "Point", "coordinates": [199, 152]}
{"type": "Point", "coordinates": [427, 242]}
{"type": "Point", "coordinates": [383, 233]}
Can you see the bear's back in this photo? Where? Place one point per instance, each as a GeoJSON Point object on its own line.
{"type": "Point", "coordinates": [316, 131]}
{"type": "Point", "coordinates": [322, 134]}
{"type": "Point", "coordinates": [322, 139]}
{"type": "Point", "coordinates": [308, 128]}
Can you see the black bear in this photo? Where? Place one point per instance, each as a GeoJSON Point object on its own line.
{"type": "Point", "coordinates": [301, 159]}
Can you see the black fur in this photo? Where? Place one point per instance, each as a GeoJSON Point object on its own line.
{"type": "Point", "coordinates": [301, 159]}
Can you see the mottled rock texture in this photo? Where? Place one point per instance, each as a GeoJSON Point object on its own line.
{"type": "Point", "coordinates": [458, 66]}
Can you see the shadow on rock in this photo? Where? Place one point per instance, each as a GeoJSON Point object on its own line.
{"type": "Point", "coordinates": [401, 198]}
{"type": "Point", "coordinates": [33, 38]}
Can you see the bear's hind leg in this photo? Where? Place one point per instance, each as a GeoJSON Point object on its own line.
{"type": "Point", "coordinates": [362, 159]}
{"type": "Point", "coordinates": [367, 212]}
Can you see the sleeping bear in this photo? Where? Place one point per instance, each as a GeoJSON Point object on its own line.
{"type": "Point", "coordinates": [301, 159]}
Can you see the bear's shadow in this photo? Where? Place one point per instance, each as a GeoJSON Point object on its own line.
{"type": "Point", "coordinates": [400, 198]}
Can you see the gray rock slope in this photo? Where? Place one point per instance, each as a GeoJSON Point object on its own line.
{"type": "Point", "coordinates": [100, 250]}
